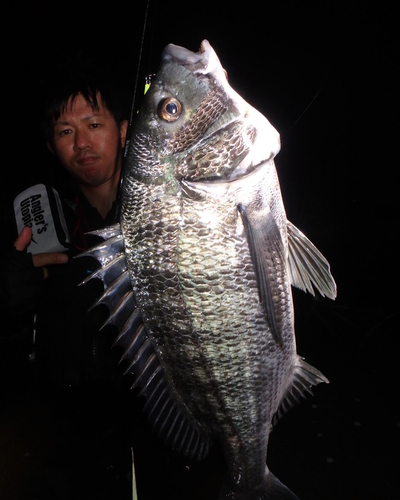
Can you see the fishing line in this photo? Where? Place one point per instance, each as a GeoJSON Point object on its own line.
{"type": "Point", "coordinates": [137, 78]}
{"type": "Point", "coordinates": [332, 64]}
{"type": "Point", "coordinates": [307, 107]}
{"type": "Point", "coordinates": [128, 132]}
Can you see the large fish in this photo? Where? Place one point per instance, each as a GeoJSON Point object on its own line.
{"type": "Point", "coordinates": [198, 273]}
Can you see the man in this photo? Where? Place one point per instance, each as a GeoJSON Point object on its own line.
{"type": "Point", "coordinates": [88, 141]}
{"type": "Point", "coordinates": [85, 128]}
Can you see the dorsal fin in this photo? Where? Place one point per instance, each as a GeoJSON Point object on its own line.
{"type": "Point", "coordinates": [170, 419]}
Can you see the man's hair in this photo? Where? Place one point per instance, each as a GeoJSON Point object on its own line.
{"type": "Point", "coordinates": [67, 82]}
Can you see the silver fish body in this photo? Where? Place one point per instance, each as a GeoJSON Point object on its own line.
{"type": "Point", "coordinates": [210, 260]}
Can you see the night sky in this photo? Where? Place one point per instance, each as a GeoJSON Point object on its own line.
{"type": "Point", "coordinates": [324, 74]}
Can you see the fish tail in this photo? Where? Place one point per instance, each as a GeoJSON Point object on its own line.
{"type": "Point", "coordinates": [270, 489]}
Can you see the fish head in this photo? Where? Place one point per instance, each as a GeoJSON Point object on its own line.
{"type": "Point", "coordinates": [194, 126]}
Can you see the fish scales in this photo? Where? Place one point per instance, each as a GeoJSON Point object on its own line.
{"type": "Point", "coordinates": [216, 352]}
{"type": "Point", "coordinates": [219, 352]}
{"type": "Point", "coordinates": [211, 260]}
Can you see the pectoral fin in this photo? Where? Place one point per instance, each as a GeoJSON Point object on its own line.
{"type": "Point", "coordinates": [267, 254]}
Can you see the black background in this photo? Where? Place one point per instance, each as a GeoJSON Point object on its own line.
{"type": "Point", "coordinates": [325, 75]}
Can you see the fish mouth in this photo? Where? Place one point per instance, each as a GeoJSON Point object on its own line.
{"type": "Point", "coordinates": [197, 62]}
{"type": "Point", "coordinates": [204, 46]}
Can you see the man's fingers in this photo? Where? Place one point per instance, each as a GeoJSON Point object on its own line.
{"type": "Point", "coordinates": [23, 239]}
{"type": "Point", "coordinates": [48, 259]}
{"type": "Point", "coordinates": [39, 259]}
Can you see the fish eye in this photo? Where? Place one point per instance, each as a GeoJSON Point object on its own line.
{"type": "Point", "coordinates": [169, 109]}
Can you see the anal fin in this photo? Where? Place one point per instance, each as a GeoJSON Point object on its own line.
{"type": "Point", "coordinates": [304, 378]}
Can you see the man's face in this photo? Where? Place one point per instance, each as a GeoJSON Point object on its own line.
{"type": "Point", "coordinates": [88, 142]}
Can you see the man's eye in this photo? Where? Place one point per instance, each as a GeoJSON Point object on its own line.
{"type": "Point", "coordinates": [66, 131]}
{"type": "Point", "coordinates": [94, 125]}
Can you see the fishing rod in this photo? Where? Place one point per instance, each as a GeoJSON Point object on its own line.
{"type": "Point", "coordinates": [134, 98]}
{"type": "Point", "coordinates": [133, 107]}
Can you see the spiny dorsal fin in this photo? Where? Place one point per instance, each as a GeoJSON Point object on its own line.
{"type": "Point", "coordinates": [170, 419]}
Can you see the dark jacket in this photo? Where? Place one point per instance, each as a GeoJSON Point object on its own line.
{"type": "Point", "coordinates": [68, 347]}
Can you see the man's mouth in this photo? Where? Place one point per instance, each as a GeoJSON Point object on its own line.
{"type": "Point", "coordinates": [87, 160]}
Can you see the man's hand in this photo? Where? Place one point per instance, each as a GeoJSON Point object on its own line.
{"type": "Point", "coordinates": [40, 259]}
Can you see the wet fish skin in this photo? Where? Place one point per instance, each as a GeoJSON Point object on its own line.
{"type": "Point", "coordinates": [211, 259]}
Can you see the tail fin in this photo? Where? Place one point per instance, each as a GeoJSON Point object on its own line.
{"type": "Point", "coordinates": [270, 489]}
{"type": "Point", "coordinates": [275, 490]}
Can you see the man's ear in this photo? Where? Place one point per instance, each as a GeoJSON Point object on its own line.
{"type": "Point", "coordinates": [123, 129]}
{"type": "Point", "coordinates": [50, 147]}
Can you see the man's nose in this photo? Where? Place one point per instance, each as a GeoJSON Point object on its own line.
{"type": "Point", "coordinates": [82, 140]}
